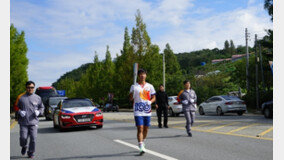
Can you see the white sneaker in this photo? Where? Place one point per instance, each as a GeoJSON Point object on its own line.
{"type": "Point", "coordinates": [142, 149]}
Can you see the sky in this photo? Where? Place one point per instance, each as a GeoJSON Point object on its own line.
{"type": "Point", "coordinates": [61, 35]}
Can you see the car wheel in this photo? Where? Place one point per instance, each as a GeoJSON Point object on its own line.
{"type": "Point", "coordinates": [47, 118]}
{"type": "Point", "coordinates": [171, 112]}
{"type": "Point", "coordinates": [267, 113]}
{"type": "Point", "coordinates": [240, 113]}
{"type": "Point", "coordinates": [219, 111]}
{"type": "Point", "coordinates": [201, 111]}
{"type": "Point", "coordinates": [59, 126]}
{"type": "Point", "coordinates": [100, 126]}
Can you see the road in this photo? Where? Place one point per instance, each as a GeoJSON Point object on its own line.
{"type": "Point", "coordinates": [229, 137]}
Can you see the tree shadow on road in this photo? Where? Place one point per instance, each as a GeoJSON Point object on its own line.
{"type": "Point", "coordinates": [132, 153]}
{"type": "Point", "coordinates": [17, 157]}
{"type": "Point", "coordinates": [159, 137]}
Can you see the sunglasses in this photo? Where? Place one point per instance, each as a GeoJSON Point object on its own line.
{"type": "Point", "coordinates": [30, 87]}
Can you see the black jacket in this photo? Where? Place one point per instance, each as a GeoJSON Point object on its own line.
{"type": "Point", "coordinates": [162, 99]}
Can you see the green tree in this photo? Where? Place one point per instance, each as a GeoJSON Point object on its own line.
{"type": "Point", "coordinates": [172, 65]}
{"type": "Point", "coordinates": [18, 64]}
{"type": "Point", "coordinates": [232, 47]}
{"type": "Point", "coordinates": [123, 77]}
{"type": "Point", "coordinates": [69, 85]}
{"type": "Point", "coordinates": [108, 70]}
{"type": "Point", "coordinates": [140, 39]}
{"type": "Point", "coordinates": [227, 47]}
{"type": "Point", "coordinates": [268, 5]}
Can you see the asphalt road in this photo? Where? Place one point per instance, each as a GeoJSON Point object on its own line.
{"type": "Point", "coordinates": [229, 137]}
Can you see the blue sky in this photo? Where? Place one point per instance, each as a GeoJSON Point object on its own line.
{"type": "Point", "coordinates": [63, 34]}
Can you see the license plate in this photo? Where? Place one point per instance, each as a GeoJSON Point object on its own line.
{"type": "Point", "coordinates": [84, 120]}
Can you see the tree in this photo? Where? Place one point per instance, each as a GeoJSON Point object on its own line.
{"type": "Point", "coordinates": [69, 85]}
{"type": "Point", "coordinates": [108, 72]}
{"type": "Point", "coordinates": [268, 5]}
{"type": "Point", "coordinates": [18, 63]}
{"type": "Point", "coordinates": [232, 47]}
{"type": "Point", "coordinates": [172, 65]}
{"type": "Point", "coordinates": [227, 47]}
{"type": "Point", "coordinates": [140, 39]}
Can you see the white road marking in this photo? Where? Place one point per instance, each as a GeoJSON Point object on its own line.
{"type": "Point", "coordinates": [147, 150]}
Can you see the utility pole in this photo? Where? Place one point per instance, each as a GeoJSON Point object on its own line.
{"type": "Point", "coordinates": [164, 71]}
{"type": "Point", "coordinates": [247, 56]}
{"type": "Point", "coordinates": [256, 74]}
{"type": "Point", "coordinates": [261, 68]}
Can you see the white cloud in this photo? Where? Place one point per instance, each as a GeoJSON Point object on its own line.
{"type": "Point", "coordinates": [212, 31]}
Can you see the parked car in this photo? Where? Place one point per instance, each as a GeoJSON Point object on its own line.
{"type": "Point", "coordinates": [51, 104]}
{"type": "Point", "coordinates": [111, 107]}
{"type": "Point", "coordinates": [77, 112]}
{"type": "Point", "coordinates": [175, 107]}
{"type": "Point", "coordinates": [267, 109]}
{"type": "Point", "coordinates": [223, 104]}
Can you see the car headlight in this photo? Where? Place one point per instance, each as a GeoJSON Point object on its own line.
{"type": "Point", "coordinates": [65, 116]}
{"type": "Point", "coordinates": [99, 114]}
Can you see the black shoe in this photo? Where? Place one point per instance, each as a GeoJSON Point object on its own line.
{"type": "Point", "coordinates": [160, 126]}
{"type": "Point", "coordinates": [30, 155]}
{"type": "Point", "coordinates": [166, 126]}
{"type": "Point", "coordinates": [24, 150]}
{"type": "Point", "coordinates": [189, 134]}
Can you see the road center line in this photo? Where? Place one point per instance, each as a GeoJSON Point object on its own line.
{"type": "Point", "coordinates": [147, 150]}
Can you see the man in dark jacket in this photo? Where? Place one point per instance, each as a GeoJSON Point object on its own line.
{"type": "Point", "coordinates": [28, 106]}
{"type": "Point", "coordinates": [162, 106]}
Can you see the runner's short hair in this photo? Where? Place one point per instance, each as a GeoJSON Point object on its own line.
{"type": "Point", "coordinates": [142, 71]}
{"type": "Point", "coordinates": [184, 82]}
{"type": "Point", "coordinates": [29, 83]}
{"type": "Point", "coordinates": [161, 85]}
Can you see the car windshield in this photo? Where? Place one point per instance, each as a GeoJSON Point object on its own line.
{"type": "Point", "coordinates": [76, 103]}
{"type": "Point", "coordinates": [230, 98]}
{"type": "Point", "coordinates": [55, 101]}
{"type": "Point", "coordinates": [46, 92]}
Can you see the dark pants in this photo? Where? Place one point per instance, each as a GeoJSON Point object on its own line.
{"type": "Point", "coordinates": [190, 117]}
{"type": "Point", "coordinates": [25, 132]}
{"type": "Point", "coordinates": [162, 110]}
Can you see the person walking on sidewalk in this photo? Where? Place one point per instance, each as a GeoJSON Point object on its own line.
{"type": "Point", "coordinates": [162, 106]}
{"type": "Point", "coordinates": [143, 95]}
{"type": "Point", "coordinates": [188, 99]}
{"type": "Point", "coordinates": [28, 107]}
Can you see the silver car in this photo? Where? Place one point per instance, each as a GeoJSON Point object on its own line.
{"type": "Point", "coordinates": [223, 104]}
{"type": "Point", "coordinates": [175, 107]}
{"type": "Point", "coordinates": [50, 105]}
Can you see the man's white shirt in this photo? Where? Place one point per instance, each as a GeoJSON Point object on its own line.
{"type": "Point", "coordinates": [141, 96]}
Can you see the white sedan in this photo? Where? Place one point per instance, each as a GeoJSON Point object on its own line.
{"type": "Point", "coordinates": [175, 107]}
{"type": "Point", "coordinates": [223, 104]}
